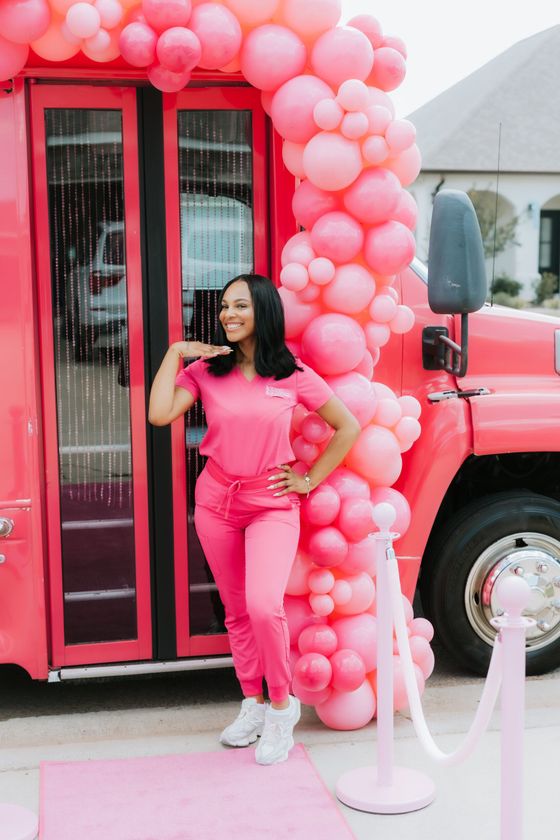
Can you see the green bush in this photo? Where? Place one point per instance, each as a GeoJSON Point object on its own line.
{"type": "Point", "coordinates": [551, 303]}
{"type": "Point", "coordinates": [503, 299]}
{"type": "Point", "coordinates": [546, 287]}
{"type": "Point", "coordinates": [506, 284]}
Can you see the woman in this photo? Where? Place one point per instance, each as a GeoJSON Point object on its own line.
{"type": "Point", "coordinates": [247, 496]}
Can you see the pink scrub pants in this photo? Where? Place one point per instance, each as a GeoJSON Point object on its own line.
{"type": "Point", "coordinates": [250, 539]}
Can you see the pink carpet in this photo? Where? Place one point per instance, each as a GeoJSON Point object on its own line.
{"type": "Point", "coordinates": [201, 796]}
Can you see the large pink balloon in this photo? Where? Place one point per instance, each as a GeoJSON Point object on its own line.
{"type": "Point", "coordinates": [12, 58]}
{"type": "Point", "coordinates": [406, 165]}
{"type": "Point", "coordinates": [297, 315]}
{"type": "Point", "coordinates": [310, 203]}
{"type": "Point", "coordinates": [359, 633]}
{"type": "Point", "coordinates": [373, 196]}
{"type": "Point", "coordinates": [310, 698]}
{"type": "Point", "coordinates": [137, 43]}
{"type": "Point", "coordinates": [271, 55]}
{"type": "Point", "coordinates": [23, 21]}
{"type": "Point", "coordinates": [366, 366]}
{"type": "Point", "coordinates": [376, 455]}
{"type": "Point", "coordinates": [357, 393]}
{"type": "Point", "coordinates": [346, 710]}
{"type": "Point", "coordinates": [52, 45]}
{"type": "Point", "coordinates": [163, 14]}
{"type": "Point", "coordinates": [252, 12]}
{"type": "Point", "coordinates": [355, 519]}
{"type": "Point", "coordinates": [351, 290]}
{"type": "Point", "coordinates": [389, 69]}
{"type": "Point", "coordinates": [340, 54]}
{"type": "Point", "coordinates": [167, 81]}
{"type": "Point", "coordinates": [322, 506]}
{"type": "Point", "coordinates": [292, 155]}
{"type": "Point", "coordinates": [370, 26]}
{"type": "Point", "coordinates": [391, 496]}
{"type": "Point", "coordinates": [331, 161]}
{"type": "Point", "coordinates": [338, 237]}
{"type": "Point", "coordinates": [348, 484]}
{"type": "Point", "coordinates": [348, 670]}
{"type": "Point", "coordinates": [360, 558]}
{"type": "Point", "coordinates": [327, 546]}
{"type": "Point", "coordinates": [312, 18]}
{"type": "Point", "coordinates": [406, 211]}
{"type": "Point", "coordinates": [313, 671]}
{"type": "Point", "coordinates": [292, 107]}
{"type": "Point", "coordinates": [333, 343]}
{"type": "Point", "coordinates": [297, 582]}
{"type": "Point", "coordinates": [298, 615]}
{"type": "Point", "coordinates": [219, 33]}
{"type": "Point", "coordinates": [363, 595]}
{"type": "Point", "coordinates": [178, 49]}
{"type": "Point", "coordinates": [389, 248]}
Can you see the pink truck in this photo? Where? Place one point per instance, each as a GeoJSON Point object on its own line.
{"type": "Point", "coordinates": [122, 212]}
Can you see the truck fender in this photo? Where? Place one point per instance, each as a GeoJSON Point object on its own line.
{"type": "Point", "coordinates": [516, 422]}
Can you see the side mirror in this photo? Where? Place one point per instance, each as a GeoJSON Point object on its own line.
{"type": "Point", "coordinates": [457, 281]}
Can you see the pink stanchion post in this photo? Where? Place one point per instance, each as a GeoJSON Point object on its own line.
{"type": "Point", "coordinates": [17, 823]}
{"type": "Point", "coordinates": [385, 788]}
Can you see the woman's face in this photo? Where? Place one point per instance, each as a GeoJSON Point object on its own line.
{"type": "Point", "coordinates": [237, 315]}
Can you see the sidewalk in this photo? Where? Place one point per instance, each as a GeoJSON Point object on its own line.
{"type": "Point", "coordinates": [467, 801]}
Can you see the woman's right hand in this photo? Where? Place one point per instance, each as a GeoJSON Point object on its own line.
{"type": "Point", "coordinates": [197, 349]}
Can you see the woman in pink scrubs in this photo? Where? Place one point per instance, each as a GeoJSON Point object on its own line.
{"type": "Point", "coordinates": [247, 496]}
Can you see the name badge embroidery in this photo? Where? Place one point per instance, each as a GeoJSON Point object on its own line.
{"type": "Point", "coordinates": [272, 391]}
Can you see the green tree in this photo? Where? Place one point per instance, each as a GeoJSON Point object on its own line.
{"type": "Point", "coordinates": [504, 233]}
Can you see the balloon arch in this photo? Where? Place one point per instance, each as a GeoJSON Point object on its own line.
{"type": "Point", "coordinates": [325, 87]}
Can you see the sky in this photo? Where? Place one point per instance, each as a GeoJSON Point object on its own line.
{"type": "Point", "coordinates": [448, 40]}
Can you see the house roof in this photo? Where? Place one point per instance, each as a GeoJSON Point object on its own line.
{"type": "Point", "coordinates": [458, 130]}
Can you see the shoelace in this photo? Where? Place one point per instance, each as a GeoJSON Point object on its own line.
{"type": "Point", "coordinates": [272, 729]}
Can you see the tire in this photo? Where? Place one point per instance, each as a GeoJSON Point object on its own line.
{"type": "Point", "coordinates": [476, 548]}
{"type": "Point", "coordinates": [83, 339]}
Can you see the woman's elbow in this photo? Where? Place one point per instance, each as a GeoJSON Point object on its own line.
{"type": "Point", "coordinates": [354, 428]}
{"type": "Point", "coordinates": [157, 420]}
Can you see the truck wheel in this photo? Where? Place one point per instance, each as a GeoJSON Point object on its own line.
{"type": "Point", "coordinates": [499, 535]}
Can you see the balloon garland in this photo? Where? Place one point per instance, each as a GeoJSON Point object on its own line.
{"type": "Point", "coordinates": [325, 87]}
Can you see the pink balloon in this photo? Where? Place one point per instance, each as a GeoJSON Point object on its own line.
{"type": "Point", "coordinates": [23, 21]}
{"type": "Point", "coordinates": [359, 633]}
{"type": "Point", "coordinates": [53, 45]}
{"type": "Point", "coordinates": [389, 248]}
{"type": "Point", "coordinates": [331, 161]}
{"type": "Point", "coordinates": [354, 126]}
{"type": "Point", "coordinates": [271, 55]}
{"type": "Point", "coordinates": [388, 495]}
{"type": "Point", "coordinates": [322, 605]}
{"type": "Point", "coordinates": [163, 14]}
{"type": "Point", "coordinates": [407, 432]}
{"type": "Point", "coordinates": [351, 290]}
{"type": "Point", "coordinates": [178, 49]}
{"type": "Point", "coordinates": [266, 100]}
{"type": "Point", "coordinates": [383, 391]}
{"type": "Point", "coordinates": [315, 429]}
{"type": "Point", "coordinates": [357, 394]}
{"type": "Point", "coordinates": [422, 655]}
{"type": "Point", "coordinates": [338, 237]}
{"type": "Point", "coordinates": [320, 581]}
{"type": "Point", "coordinates": [400, 135]}
{"type": "Point", "coordinates": [311, 292]}
{"type": "Point", "coordinates": [310, 203]}
{"type": "Point", "coordinates": [297, 314]}
{"type": "Point", "coordinates": [363, 595]}
{"type": "Point", "coordinates": [294, 276]}
{"type": "Point", "coordinates": [371, 28]}
{"type": "Point", "coordinates": [298, 416]}
{"type": "Point", "coordinates": [419, 627]}
{"type": "Point", "coordinates": [388, 412]}
{"type": "Point", "coordinates": [400, 698]}
{"type": "Point", "coordinates": [355, 520]}
{"type": "Point", "coordinates": [377, 456]}
{"type": "Point", "coordinates": [377, 335]}
{"type": "Point", "coordinates": [292, 155]}
{"type": "Point", "coordinates": [348, 484]}
{"type": "Point", "coordinates": [383, 309]}
{"type": "Point", "coordinates": [312, 18]}
{"type": "Point", "coordinates": [110, 12]}
{"type": "Point", "coordinates": [406, 211]}
{"type": "Point", "coordinates": [342, 53]}
{"type": "Point", "coordinates": [166, 81]}
{"type": "Point", "coordinates": [406, 165]}
{"type": "Point", "coordinates": [366, 366]}
{"type": "Point", "coordinates": [333, 343]}
{"type": "Point", "coordinates": [389, 69]}
{"type": "Point", "coordinates": [348, 670]}
{"type": "Point", "coordinates": [322, 506]}
{"type": "Point", "coordinates": [219, 33]}
{"type": "Point", "coordinates": [379, 97]}
{"type": "Point", "coordinates": [83, 20]}
{"type": "Point", "coordinates": [305, 451]}
{"type": "Point", "coordinates": [373, 196]}
{"type": "Point", "coordinates": [137, 43]}
{"type": "Point", "coordinates": [353, 95]}
{"type": "Point", "coordinates": [341, 592]}
{"type": "Point", "coordinates": [375, 150]}
{"type": "Point", "coordinates": [321, 270]}
{"type": "Point", "coordinates": [396, 43]}
{"type": "Point", "coordinates": [360, 558]}
{"type": "Point", "coordinates": [298, 249]}
{"type": "Point", "coordinates": [298, 580]}
{"type": "Point", "coordinates": [313, 671]}
{"type": "Point", "coordinates": [251, 13]}
{"type": "Point", "coordinates": [403, 320]}
{"type": "Point", "coordinates": [292, 107]}
{"type": "Point", "coordinates": [102, 47]}
{"type": "Point", "coordinates": [328, 114]}
{"type": "Point", "coordinates": [327, 546]}
{"type": "Point", "coordinates": [299, 616]}
{"type": "Point", "coordinates": [319, 638]}
{"type": "Point", "coordinates": [12, 58]}
{"type": "Point", "coordinates": [346, 710]}
{"type": "Point", "coordinates": [310, 698]}
{"type": "Point", "coordinates": [379, 118]}
{"type": "Point", "coordinates": [410, 406]}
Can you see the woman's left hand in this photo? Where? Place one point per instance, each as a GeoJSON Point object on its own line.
{"type": "Point", "coordinates": [288, 481]}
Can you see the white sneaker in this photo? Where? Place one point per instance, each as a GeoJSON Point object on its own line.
{"type": "Point", "coordinates": [277, 736]}
{"type": "Point", "coordinates": [247, 726]}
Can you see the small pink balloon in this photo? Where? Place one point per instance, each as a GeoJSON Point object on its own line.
{"type": "Point", "coordinates": [178, 49]}
{"type": "Point", "coordinates": [297, 315]}
{"type": "Point", "coordinates": [299, 414]}
{"type": "Point", "coordinates": [349, 484]}
{"type": "Point", "coordinates": [379, 118]}
{"type": "Point", "coordinates": [310, 293]}
{"type": "Point", "coordinates": [377, 335]}
{"type": "Point", "coordinates": [389, 248]}
{"type": "Point", "coordinates": [315, 429]}
{"type": "Point", "coordinates": [167, 81]}
{"type": "Point", "coordinates": [406, 165]}
{"type": "Point", "coordinates": [319, 638]}
{"type": "Point", "coordinates": [321, 271]}
{"type": "Point", "coordinates": [309, 202]}
{"type": "Point", "coordinates": [298, 615]}
{"type": "Point", "coordinates": [383, 391]}
{"type": "Point", "coordinates": [298, 249]}
{"type": "Point", "coordinates": [422, 655]}
{"type": "Point", "coordinates": [400, 697]}
{"type": "Point", "coordinates": [351, 290]}
{"type": "Point", "coordinates": [363, 595]}
{"type": "Point", "coordinates": [310, 698]}
{"type": "Point", "coordinates": [388, 412]}
{"type": "Point", "coordinates": [331, 161]}
{"type": "Point", "coordinates": [292, 155]}
{"type": "Point", "coordinates": [341, 592]}
{"type": "Point", "coordinates": [83, 20]}
{"type": "Point", "coordinates": [371, 28]}
{"type": "Point", "coordinates": [22, 21]}
{"type": "Point", "coordinates": [354, 126]}
{"type": "Point", "coordinates": [379, 97]}
{"type": "Point", "coordinates": [327, 546]}
{"type": "Point", "coordinates": [406, 211]}
{"type": "Point", "coordinates": [355, 519]}
{"type": "Point", "coordinates": [373, 196]}
{"type": "Point", "coordinates": [312, 18]}
{"type": "Point", "coordinates": [383, 309]}
{"type": "Point", "coordinates": [396, 43]}
{"type": "Point", "coordinates": [388, 495]}
{"type": "Point", "coordinates": [292, 107]}
{"type": "Point", "coordinates": [313, 671]}
{"type": "Point", "coordinates": [376, 456]}
{"type": "Point", "coordinates": [340, 54]}
{"type": "Point", "coordinates": [410, 406]}
{"type": "Point", "coordinates": [219, 33]}
{"type": "Point", "coordinates": [271, 55]}
{"type": "Point", "coordinates": [403, 320]}
{"type": "Point", "coordinates": [12, 58]}
{"type": "Point", "coordinates": [297, 582]}
{"type": "Point", "coordinates": [375, 150]}
{"type": "Point", "coordinates": [389, 69]}
{"type": "Point", "coordinates": [360, 558]}
{"type": "Point", "coordinates": [110, 12]}
{"type": "Point", "coordinates": [251, 13]}
{"type": "Point", "coordinates": [294, 276]}
{"type": "Point", "coordinates": [98, 44]}
{"type": "Point", "coordinates": [328, 114]}
{"type": "Point", "coordinates": [338, 237]}
{"type": "Point", "coordinates": [419, 627]}
{"type": "Point", "coordinates": [353, 95]}
{"type": "Point", "coordinates": [163, 14]}
{"type": "Point", "coordinates": [320, 581]}
{"type": "Point", "coordinates": [348, 670]}
{"type": "Point", "coordinates": [347, 710]}
{"type": "Point", "coordinates": [357, 394]}
{"type": "Point", "coordinates": [322, 605]}
{"type": "Point", "coordinates": [305, 451]}
{"type": "Point", "coordinates": [322, 506]}
{"type": "Point", "coordinates": [358, 633]}
{"type": "Point", "coordinates": [333, 343]}
{"type": "Point", "coordinates": [407, 431]}
{"type": "Point", "coordinates": [137, 43]}
{"type": "Point", "coordinates": [400, 135]}
{"type": "Point", "coordinates": [366, 366]}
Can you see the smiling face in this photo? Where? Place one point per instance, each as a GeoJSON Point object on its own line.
{"type": "Point", "coordinates": [237, 315]}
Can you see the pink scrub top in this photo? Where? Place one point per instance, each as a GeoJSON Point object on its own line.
{"type": "Point", "coordinates": [249, 422]}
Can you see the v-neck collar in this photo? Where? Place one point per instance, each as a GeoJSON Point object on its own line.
{"type": "Point", "coordinates": [240, 373]}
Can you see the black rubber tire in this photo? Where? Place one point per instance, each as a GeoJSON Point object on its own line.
{"type": "Point", "coordinates": [450, 555]}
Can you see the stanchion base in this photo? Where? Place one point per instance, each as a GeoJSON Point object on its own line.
{"type": "Point", "coordinates": [410, 791]}
{"type": "Point", "coordinates": [17, 823]}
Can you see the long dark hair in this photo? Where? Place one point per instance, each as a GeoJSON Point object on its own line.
{"type": "Point", "coordinates": [272, 357]}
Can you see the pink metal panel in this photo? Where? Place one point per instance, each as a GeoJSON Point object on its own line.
{"type": "Point", "coordinates": [527, 421]}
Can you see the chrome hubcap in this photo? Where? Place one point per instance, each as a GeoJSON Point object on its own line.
{"type": "Point", "coordinates": [536, 558]}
